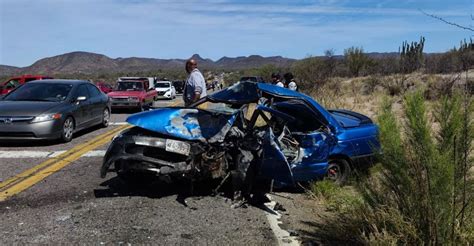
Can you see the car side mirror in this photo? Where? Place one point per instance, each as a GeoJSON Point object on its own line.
{"type": "Point", "coordinates": [80, 99]}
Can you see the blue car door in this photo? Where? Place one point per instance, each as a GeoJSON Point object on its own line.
{"type": "Point", "coordinates": [315, 148]}
{"type": "Point", "coordinates": [274, 164]}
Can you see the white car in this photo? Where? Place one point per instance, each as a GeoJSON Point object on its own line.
{"type": "Point", "coordinates": [165, 89]}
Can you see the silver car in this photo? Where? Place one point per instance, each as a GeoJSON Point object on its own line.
{"type": "Point", "coordinates": [52, 109]}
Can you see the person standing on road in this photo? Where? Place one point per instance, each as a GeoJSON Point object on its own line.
{"type": "Point", "coordinates": [195, 86]}
{"type": "Point", "coordinates": [276, 80]}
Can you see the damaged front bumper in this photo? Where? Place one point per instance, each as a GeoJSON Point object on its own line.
{"type": "Point", "coordinates": [139, 152]}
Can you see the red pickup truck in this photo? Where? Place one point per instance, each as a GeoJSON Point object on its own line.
{"type": "Point", "coordinates": [14, 82]}
{"type": "Point", "coordinates": [134, 94]}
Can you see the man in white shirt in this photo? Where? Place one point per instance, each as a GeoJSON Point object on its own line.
{"type": "Point", "coordinates": [195, 87]}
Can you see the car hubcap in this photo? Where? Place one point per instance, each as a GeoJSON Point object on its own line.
{"type": "Point", "coordinates": [68, 128]}
{"type": "Point", "coordinates": [334, 172]}
{"type": "Point", "coordinates": [106, 117]}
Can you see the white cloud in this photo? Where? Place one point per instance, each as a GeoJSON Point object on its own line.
{"type": "Point", "coordinates": [165, 29]}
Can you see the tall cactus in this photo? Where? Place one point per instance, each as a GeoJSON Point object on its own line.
{"type": "Point", "coordinates": [411, 55]}
{"type": "Point", "coordinates": [466, 54]}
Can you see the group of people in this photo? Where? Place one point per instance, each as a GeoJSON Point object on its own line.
{"type": "Point", "coordinates": [289, 81]}
{"type": "Point", "coordinates": [195, 87]}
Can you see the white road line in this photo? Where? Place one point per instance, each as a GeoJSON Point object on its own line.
{"type": "Point", "coordinates": [273, 217]}
{"type": "Point", "coordinates": [118, 123]}
{"type": "Point", "coordinates": [15, 154]}
{"type": "Point", "coordinates": [95, 153]}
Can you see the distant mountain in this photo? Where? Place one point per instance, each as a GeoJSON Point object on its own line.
{"type": "Point", "coordinates": [243, 62]}
{"type": "Point", "coordinates": [74, 62]}
{"type": "Point", "coordinates": [88, 63]}
{"type": "Point", "coordinates": [8, 70]}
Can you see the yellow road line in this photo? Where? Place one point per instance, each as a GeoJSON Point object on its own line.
{"type": "Point", "coordinates": [32, 176]}
{"type": "Point", "coordinates": [34, 169]}
{"type": "Point", "coordinates": [176, 103]}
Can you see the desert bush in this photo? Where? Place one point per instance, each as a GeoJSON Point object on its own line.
{"type": "Point", "coordinates": [311, 72]}
{"type": "Point", "coordinates": [369, 84]}
{"type": "Point", "coordinates": [437, 87]}
{"type": "Point", "coordinates": [422, 192]}
{"type": "Point", "coordinates": [356, 60]}
{"type": "Point", "coordinates": [395, 85]}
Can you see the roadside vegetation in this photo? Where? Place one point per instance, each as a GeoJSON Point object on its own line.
{"type": "Point", "coordinates": [421, 191]}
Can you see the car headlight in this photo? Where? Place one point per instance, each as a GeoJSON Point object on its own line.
{"type": "Point", "coordinates": [133, 99]}
{"type": "Point", "coordinates": [46, 117]}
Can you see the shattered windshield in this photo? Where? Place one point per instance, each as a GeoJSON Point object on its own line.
{"type": "Point", "coordinates": [239, 93]}
{"type": "Point", "coordinates": [217, 107]}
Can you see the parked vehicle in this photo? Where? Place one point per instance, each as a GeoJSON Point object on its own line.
{"type": "Point", "coordinates": [165, 89]}
{"type": "Point", "coordinates": [250, 133]}
{"type": "Point", "coordinates": [150, 81]}
{"type": "Point", "coordinates": [104, 87]}
{"type": "Point", "coordinates": [256, 79]}
{"type": "Point", "coordinates": [52, 109]}
{"type": "Point", "coordinates": [179, 86]}
{"type": "Point", "coordinates": [132, 95]}
{"type": "Point", "coordinates": [14, 82]}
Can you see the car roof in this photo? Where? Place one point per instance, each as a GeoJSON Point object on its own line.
{"type": "Point", "coordinates": [60, 81]}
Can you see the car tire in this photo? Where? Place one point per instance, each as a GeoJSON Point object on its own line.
{"type": "Point", "coordinates": [105, 118]}
{"type": "Point", "coordinates": [339, 171]}
{"type": "Point", "coordinates": [67, 129]}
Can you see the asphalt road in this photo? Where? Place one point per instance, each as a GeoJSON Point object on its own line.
{"type": "Point", "coordinates": [52, 193]}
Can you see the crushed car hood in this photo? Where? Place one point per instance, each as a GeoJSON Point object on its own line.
{"type": "Point", "coordinates": [185, 123]}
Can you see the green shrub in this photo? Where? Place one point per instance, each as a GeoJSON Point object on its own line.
{"type": "Point", "coordinates": [336, 198]}
{"type": "Point", "coordinates": [422, 192]}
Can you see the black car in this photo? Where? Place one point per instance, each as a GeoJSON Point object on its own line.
{"type": "Point", "coordinates": [52, 109]}
{"type": "Point", "coordinates": [179, 86]}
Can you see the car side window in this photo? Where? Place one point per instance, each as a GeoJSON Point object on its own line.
{"type": "Point", "coordinates": [93, 91]}
{"type": "Point", "coordinates": [82, 91]}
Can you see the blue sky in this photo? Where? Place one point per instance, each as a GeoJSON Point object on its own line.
{"type": "Point", "coordinates": [34, 29]}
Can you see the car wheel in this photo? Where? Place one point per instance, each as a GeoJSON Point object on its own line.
{"type": "Point", "coordinates": [338, 171]}
{"type": "Point", "coordinates": [67, 130]}
{"type": "Point", "coordinates": [105, 118]}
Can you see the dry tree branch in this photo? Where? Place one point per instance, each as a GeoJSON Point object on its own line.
{"type": "Point", "coordinates": [448, 22]}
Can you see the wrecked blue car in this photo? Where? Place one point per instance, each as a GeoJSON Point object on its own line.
{"type": "Point", "coordinates": [250, 134]}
